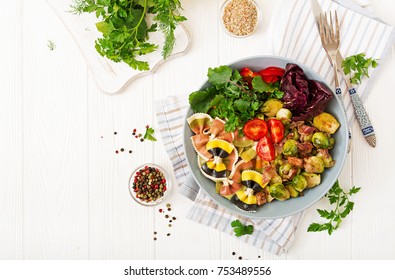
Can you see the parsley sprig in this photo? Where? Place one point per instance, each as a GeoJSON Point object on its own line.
{"type": "Point", "coordinates": [241, 229]}
{"type": "Point", "coordinates": [358, 67]}
{"type": "Point", "coordinates": [343, 206]}
{"type": "Point", "coordinates": [149, 133]}
{"type": "Point", "coordinates": [230, 97]}
{"type": "Point", "coordinates": [125, 28]}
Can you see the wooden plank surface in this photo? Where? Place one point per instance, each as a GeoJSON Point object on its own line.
{"type": "Point", "coordinates": [65, 190]}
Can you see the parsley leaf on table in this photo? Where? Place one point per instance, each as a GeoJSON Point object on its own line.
{"type": "Point", "coordinates": [358, 67]}
{"type": "Point", "coordinates": [149, 134]}
{"type": "Point", "coordinates": [344, 206]}
{"type": "Point", "coordinates": [241, 229]}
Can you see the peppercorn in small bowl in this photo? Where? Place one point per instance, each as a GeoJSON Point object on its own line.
{"type": "Point", "coordinates": [149, 184]}
{"type": "Point", "coordinates": [240, 18]}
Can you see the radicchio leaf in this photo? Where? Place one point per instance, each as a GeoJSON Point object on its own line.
{"type": "Point", "coordinates": [305, 98]}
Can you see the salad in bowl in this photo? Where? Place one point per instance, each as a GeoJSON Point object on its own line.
{"type": "Point", "coordinates": [265, 136]}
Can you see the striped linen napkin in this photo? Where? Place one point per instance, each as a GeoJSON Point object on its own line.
{"type": "Point", "coordinates": [292, 29]}
{"type": "Point", "coordinates": [296, 36]}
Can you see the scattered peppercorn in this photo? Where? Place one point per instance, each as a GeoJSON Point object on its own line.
{"type": "Point", "coordinates": [155, 238]}
{"type": "Point", "coordinates": [122, 149]}
{"type": "Point", "coordinates": [116, 151]}
{"type": "Point", "coordinates": [160, 210]}
{"type": "Point", "coordinates": [155, 232]}
{"type": "Point", "coordinates": [233, 253]}
{"type": "Point", "coordinates": [141, 140]}
{"type": "Point", "coordinates": [170, 221]}
{"type": "Point", "coordinates": [168, 209]}
{"type": "Point", "coordinates": [130, 151]}
{"type": "Point", "coordinates": [169, 225]}
{"type": "Point", "coordinates": [115, 133]}
{"type": "Point", "coordinates": [166, 216]}
{"type": "Point", "coordinates": [168, 234]}
{"type": "Point", "coordinates": [174, 218]}
{"type": "Point", "coordinates": [259, 257]}
{"type": "Point", "coordinates": [240, 257]}
{"type": "Point", "coordinates": [168, 205]}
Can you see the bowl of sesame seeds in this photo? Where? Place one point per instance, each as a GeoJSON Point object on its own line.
{"type": "Point", "coordinates": [149, 184]}
{"type": "Point", "coordinates": [240, 18]}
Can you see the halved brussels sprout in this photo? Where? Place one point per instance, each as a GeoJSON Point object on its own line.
{"type": "Point", "coordinates": [321, 140]}
{"type": "Point", "coordinates": [326, 122]}
{"type": "Point", "coordinates": [326, 158]}
{"type": "Point", "coordinates": [271, 107]}
{"type": "Point", "coordinates": [284, 115]}
{"type": "Point", "coordinates": [292, 191]}
{"type": "Point", "coordinates": [299, 182]}
{"type": "Point", "coordinates": [312, 179]}
{"type": "Point", "coordinates": [314, 164]}
{"type": "Point", "coordinates": [279, 192]}
{"type": "Point", "coordinates": [290, 148]}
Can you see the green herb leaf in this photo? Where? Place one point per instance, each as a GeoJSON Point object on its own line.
{"type": "Point", "coordinates": [219, 76]}
{"type": "Point", "coordinates": [149, 134]}
{"type": "Point", "coordinates": [357, 66]}
{"type": "Point", "coordinates": [201, 101]}
{"type": "Point", "coordinates": [51, 45]}
{"type": "Point", "coordinates": [240, 229]}
{"type": "Point", "coordinates": [344, 206]}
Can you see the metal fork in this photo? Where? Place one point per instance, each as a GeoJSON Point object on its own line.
{"type": "Point", "coordinates": [330, 39]}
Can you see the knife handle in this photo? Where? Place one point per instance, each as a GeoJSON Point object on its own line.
{"type": "Point", "coordinates": [360, 113]}
{"type": "Point", "coordinates": [340, 96]}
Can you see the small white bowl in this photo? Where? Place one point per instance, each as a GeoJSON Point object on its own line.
{"type": "Point", "coordinates": [221, 14]}
{"type": "Point", "coordinates": [159, 200]}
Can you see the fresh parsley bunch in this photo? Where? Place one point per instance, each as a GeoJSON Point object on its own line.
{"type": "Point", "coordinates": [230, 97]}
{"type": "Point", "coordinates": [125, 28]}
{"type": "Point", "coordinates": [343, 206]}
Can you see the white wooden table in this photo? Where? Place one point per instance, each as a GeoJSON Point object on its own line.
{"type": "Point", "coordinates": [64, 191]}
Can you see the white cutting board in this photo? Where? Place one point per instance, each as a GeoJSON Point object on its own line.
{"type": "Point", "coordinates": [110, 76]}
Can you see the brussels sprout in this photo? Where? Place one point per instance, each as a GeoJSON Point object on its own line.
{"type": "Point", "coordinates": [312, 179]}
{"type": "Point", "coordinates": [320, 140]}
{"type": "Point", "coordinates": [326, 158]}
{"type": "Point", "coordinates": [276, 179]}
{"type": "Point", "coordinates": [292, 191]}
{"type": "Point", "coordinates": [299, 182]}
{"type": "Point", "coordinates": [278, 161]}
{"type": "Point", "coordinates": [287, 171]}
{"type": "Point", "coordinates": [314, 164]}
{"type": "Point", "coordinates": [279, 192]}
{"type": "Point", "coordinates": [271, 107]}
{"type": "Point", "coordinates": [326, 122]}
{"type": "Point", "coordinates": [331, 143]}
{"type": "Point", "coordinates": [284, 169]}
{"type": "Point", "coordinates": [284, 115]}
{"type": "Point", "coordinates": [290, 148]}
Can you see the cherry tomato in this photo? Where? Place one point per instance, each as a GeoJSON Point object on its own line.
{"type": "Point", "coordinates": [265, 149]}
{"type": "Point", "coordinates": [271, 74]}
{"type": "Point", "coordinates": [276, 129]}
{"type": "Point", "coordinates": [255, 129]}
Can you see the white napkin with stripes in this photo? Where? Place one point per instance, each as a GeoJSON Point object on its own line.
{"type": "Point", "coordinates": [295, 35]}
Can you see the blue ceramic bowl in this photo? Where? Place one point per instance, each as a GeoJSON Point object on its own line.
{"type": "Point", "coordinates": [277, 209]}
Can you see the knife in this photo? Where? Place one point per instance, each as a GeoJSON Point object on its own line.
{"type": "Point", "coordinates": [360, 112]}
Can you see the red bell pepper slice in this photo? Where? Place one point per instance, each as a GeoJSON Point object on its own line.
{"type": "Point", "coordinates": [271, 74]}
